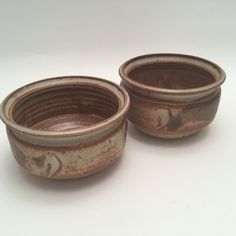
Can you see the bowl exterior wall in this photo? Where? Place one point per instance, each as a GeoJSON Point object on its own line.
{"type": "Point", "coordinates": [66, 162]}
{"type": "Point", "coordinates": [169, 118]}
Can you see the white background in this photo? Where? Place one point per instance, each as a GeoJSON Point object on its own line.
{"type": "Point", "coordinates": [184, 187]}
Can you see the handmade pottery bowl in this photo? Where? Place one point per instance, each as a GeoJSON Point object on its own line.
{"type": "Point", "coordinates": [66, 127]}
{"type": "Point", "coordinates": [172, 95]}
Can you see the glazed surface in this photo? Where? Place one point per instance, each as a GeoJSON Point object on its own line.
{"type": "Point", "coordinates": [70, 162]}
{"type": "Point", "coordinates": [64, 108]}
{"type": "Point", "coordinates": [68, 122]}
{"type": "Point", "coordinates": [171, 75]}
{"type": "Point", "coordinates": [66, 127]}
{"type": "Point", "coordinates": [172, 120]}
{"type": "Point", "coordinates": [172, 95]}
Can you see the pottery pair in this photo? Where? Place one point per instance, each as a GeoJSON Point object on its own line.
{"type": "Point", "coordinates": [68, 127]}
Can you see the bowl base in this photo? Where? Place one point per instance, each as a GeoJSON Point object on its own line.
{"type": "Point", "coordinates": [68, 122]}
{"type": "Point", "coordinates": [167, 136]}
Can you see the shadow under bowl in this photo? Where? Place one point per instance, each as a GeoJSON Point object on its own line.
{"type": "Point", "coordinates": [172, 95]}
{"type": "Point", "coordinates": [66, 127]}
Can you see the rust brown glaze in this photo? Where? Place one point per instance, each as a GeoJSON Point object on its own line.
{"type": "Point", "coordinates": [172, 95]}
{"type": "Point", "coordinates": [66, 127]}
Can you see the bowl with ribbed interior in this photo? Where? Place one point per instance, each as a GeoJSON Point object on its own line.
{"type": "Point", "coordinates": [66, 127]}
{"type": "Point", "coordinates": [172, 95]}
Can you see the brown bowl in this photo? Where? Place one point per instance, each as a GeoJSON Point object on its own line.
{"type": "Point", "coordinates": [172, 95]}
{"type": "Point", "coordinates": [66, 127]}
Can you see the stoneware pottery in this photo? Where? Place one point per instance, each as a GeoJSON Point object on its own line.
{"type": "Point", "coordinates": [66, 127]}
{"type": "Point", "coordinates": [172, 95]}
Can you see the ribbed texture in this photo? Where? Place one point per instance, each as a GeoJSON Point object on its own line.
{"type": "Point", "coordinates": [64, 100]}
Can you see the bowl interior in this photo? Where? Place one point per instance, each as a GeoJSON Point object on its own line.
{"type": "Point", "coordinates": [65, 107]}
{"type": "Point", "coordinates": [171, 75]}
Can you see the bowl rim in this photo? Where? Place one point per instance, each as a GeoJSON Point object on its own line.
{"type": "Point", "coordinates": [73, 132]}
{"type": "Point", "coordinates": [217, 82]}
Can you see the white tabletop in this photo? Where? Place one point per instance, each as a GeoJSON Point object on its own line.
{"type": "Point", "coordinates": [158, 187]}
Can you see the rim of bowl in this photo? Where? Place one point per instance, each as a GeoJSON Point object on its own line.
{"type": "Point", "coordinates": [219, 78]}
{"type": "Point", "coordinates": [74, 132]}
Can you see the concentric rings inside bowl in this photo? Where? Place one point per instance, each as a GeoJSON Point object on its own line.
{"type": "Point", "coordinates": [64, 106]}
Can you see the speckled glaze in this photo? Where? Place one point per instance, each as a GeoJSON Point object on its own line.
{"type": "Point", "coordinates": [172, 95]}
{"type": "Point", "coordinates": [66, 127]}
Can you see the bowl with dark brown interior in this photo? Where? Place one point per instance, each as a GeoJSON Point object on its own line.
{"type": "Point", "coordinates": [172, 95]}
{"type": "Point", "coordinates": [66, 127]}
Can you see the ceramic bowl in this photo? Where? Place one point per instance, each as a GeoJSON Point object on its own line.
{"type": "Point", "coordinates": [66, 127]}
{"type": "Point", "coordinates": [172, 95]}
